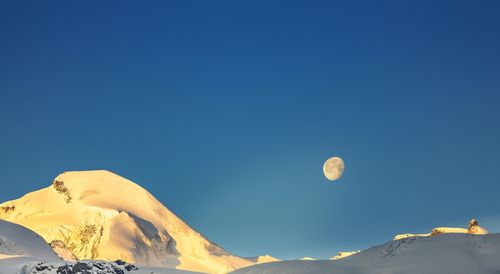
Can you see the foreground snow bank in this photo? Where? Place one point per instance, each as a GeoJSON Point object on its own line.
{"type": "Point", "coordinates": [444, 253]}
{"type": "Point", "coordinates": [16, 240]}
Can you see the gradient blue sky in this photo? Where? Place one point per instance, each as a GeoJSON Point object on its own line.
{"type": "Point", "coordinates": [226, 110]}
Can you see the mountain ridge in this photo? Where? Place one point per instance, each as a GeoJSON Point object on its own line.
{"type": "Point", "coordinates": [457, 253]}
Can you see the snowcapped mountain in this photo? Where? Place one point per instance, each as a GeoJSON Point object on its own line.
{"type": "Point", "coordinates": [343, 254]}
{"type": "Point", "coordinates": [444, 253]}
{"type": "Point", "coordinates": [100, 215]}
{"type": "Point", "coordinates": [262, 259]}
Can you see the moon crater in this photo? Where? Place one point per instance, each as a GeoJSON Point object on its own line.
{"type": "Point", "coordinates": [333, 168]}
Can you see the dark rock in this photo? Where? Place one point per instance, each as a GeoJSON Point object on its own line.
{"type": "Point", "coordinates": [117, 270]}
{"type": "Point", "coordinates": [64, 269]}
{"type": "Point", "coordinates": [120, 262]}
{"type": "Point", "coordinates": [131, 267]}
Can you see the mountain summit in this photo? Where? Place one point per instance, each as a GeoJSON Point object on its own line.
{"type": "Point", "coordinates": [101, 215]}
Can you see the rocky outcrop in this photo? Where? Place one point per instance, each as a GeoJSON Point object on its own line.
{"type": "Point", "coordinates": [62, 250]}
{"type": "Point", "coordinates": [7, 208]}
{"type": "Point", "coordinates": [62, 189]}
{"type": "Point", "coordinates": [117, 267]}
{"type": "Point", "coordinates": [475, 228]}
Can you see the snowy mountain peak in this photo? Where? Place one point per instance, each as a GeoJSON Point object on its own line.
{"type": "Point", "coordinates": [101, 215]}
{"type": "Point", "coordinates": [263, 259]}
{"type": "Point", "coordinates": [82, 185]}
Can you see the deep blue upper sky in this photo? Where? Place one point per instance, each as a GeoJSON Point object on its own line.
{"type": "Point", "coordinates": [226, 110]}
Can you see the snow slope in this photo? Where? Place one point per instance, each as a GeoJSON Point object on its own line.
{"type": "Point", "coordinates": [100, 215]}
{"type": "Point", "coordinates": [442, 254]}
{"type": "Point", "coordinates": [17, 241]}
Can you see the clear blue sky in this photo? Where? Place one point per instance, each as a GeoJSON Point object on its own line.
{"type": "Point", "coordinates": [226, 110]}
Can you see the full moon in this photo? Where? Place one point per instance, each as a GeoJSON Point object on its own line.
{"type": "Point", "coordinates": [333, 168]}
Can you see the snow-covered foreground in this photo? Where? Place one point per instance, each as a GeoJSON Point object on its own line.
{"type": "Point", "coordinates": [16, 240]}
{"type": "Point", "coordinates": [441, 254]}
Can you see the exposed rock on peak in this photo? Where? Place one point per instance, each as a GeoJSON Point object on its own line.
{"type": "Point", "coordinates": [62, 250]}
{"type": "Point", "coordinates": [62, 189]}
